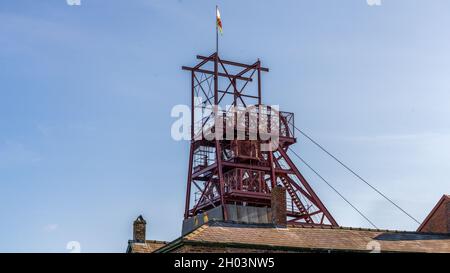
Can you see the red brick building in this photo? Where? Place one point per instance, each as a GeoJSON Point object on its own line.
{"type": "Point", "coordinates": [439, 218]}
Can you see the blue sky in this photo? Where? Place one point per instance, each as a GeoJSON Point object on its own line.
{"type": "Point", "coordinates": [86, 93]}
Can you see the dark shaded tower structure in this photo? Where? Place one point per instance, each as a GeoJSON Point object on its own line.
{"type": "Point", "coordinates": [232, 179]}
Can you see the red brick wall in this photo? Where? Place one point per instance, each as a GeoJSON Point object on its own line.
{"type": "Point", "coordinates": [448, 217]}
{"type": "Point", "coordinates": [440, 220]}
{"type": "Point", "coordinates": [278, 204]}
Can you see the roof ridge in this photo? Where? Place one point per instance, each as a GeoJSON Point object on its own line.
{"type": "Point", "coordinates": [156, 241]}
{"type": "Point", "coordinates": [216, 222]}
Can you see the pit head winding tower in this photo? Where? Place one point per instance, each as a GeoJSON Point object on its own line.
{"type": "Point", "coordinates": [232, 178]}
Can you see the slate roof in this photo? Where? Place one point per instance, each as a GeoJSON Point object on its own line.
{"type": "Point", "coordinates": [307, 238]}
{"type": "Point", "coordinates": [148, 247]}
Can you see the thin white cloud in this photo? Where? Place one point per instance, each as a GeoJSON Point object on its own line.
{"type": "Point", "coordinates": [51, 227]}
{"type": "Point", "coordinates": [426, 136]}
{"type": "Point", "coordinates": [43, 129]}
{"type": "Point", "coordinates": [17, 153]}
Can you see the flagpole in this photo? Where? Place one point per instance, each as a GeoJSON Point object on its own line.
{"type": "Point", "coordinates": [217, 33]}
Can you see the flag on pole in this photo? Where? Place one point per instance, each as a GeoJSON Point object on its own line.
{"type": "Point", "coordinates": [218, 21]}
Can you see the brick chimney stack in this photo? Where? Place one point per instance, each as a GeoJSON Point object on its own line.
{"type": "Point", "coordinates": [139, 229]}
{"type": "Point", "coordinates": [278, 204]}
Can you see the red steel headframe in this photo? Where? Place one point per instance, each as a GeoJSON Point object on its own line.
{"type": "Point", "coordinates": [224, 172]}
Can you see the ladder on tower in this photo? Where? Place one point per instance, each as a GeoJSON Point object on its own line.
{"type": "Point", "coordinates": [294, 197]}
